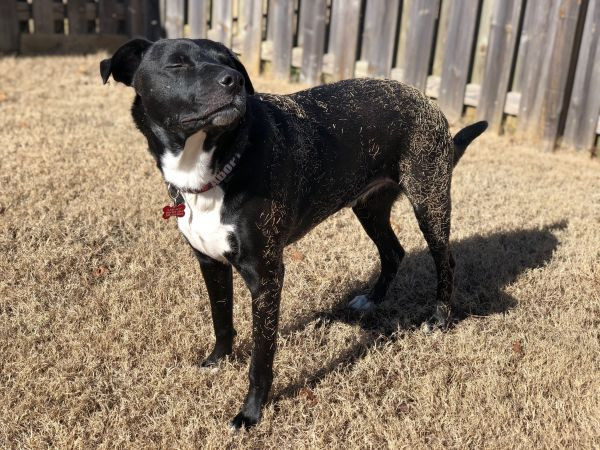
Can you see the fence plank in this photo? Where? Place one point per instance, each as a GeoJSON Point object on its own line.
{"type": "Point", "coordinates": [251, 34]}
{"type": "Point", "coordinates": [313, 47]}
{"type": "Point", "coordinates": [440, 38]}
{"type": "Point", "coordinates": [76, 13]}
{"type": "Point", "coordinates": [533, 40]}
{"type": "Point", "coordinates": [401, 44]}
{"type": "Point", "coordinates": [174, 11]}
{"type": "Point", "coordinates": [457, 56]}
{"type": "Point", "coordinates": [378, 36]}
{"type": "Point", "coordinates": [198, 18]}
{"type": "Point", "coordinates": [222, 19]}
{"type": "Point", "coordinates": [9, 26]}
{"type": "Point", "coordinates": [43, 16]}
{"type": "Point", "coordinates": [482, 39]}
{"type": "Point", "coordinates": [419, 42]}
{"type": "Point", "coordinates": [584, 108]}
{"type": "Point", "coordinates": [283, 16]}
{"type": "Point", "coordinates": [542, 119]}
{"type": "Point", "coordinates": [499, 60]}
{"type": "Point", "coordinates": [343, 41]}
{"type": "Point", "coordinates": [107, 14]}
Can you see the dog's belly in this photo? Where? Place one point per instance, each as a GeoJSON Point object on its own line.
{"type": "Point", "coordinates": [202, 224]}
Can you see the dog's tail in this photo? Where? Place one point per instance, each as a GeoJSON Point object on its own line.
{"type": "Point", "coordinates": [465, 136]}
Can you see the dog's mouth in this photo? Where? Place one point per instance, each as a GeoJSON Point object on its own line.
{"type": "Point", "coordinates": [221, 116]}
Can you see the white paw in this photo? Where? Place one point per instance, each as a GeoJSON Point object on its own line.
{"type": "Point", "coordinates": [360, 303]}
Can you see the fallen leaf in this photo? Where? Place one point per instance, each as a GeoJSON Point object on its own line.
{"type": "Point", "coordinates": [311, 398]}
{"type": "Point", "coordinates": [100, 271]}
{"type": "Point", "coordinates": [3, 96]}
{"type": "Point", "coordinates": [518, 348]}
{"type": "Point", "coordinates": [296, 255]}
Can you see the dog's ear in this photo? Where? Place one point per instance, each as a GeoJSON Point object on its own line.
{"type": "Point", "coordinates": [124, 62]}
{"type": "Point", "coordinates": [237, 65]}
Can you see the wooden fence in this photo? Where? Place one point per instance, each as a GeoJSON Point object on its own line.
{"type": "Point", "coordinates": [534, 60]}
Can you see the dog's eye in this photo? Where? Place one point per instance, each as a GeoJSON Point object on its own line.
{"type": "Point", "coordinates": [176, 66]}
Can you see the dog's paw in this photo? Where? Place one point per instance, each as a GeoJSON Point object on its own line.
{"type": "Point", "coordinates": [211, 362]}
{"type": "Point", "coordinates": [243, 421]}
{"type": "Point", "coordinates": [361, 303]}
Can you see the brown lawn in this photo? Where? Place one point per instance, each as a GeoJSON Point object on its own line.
{"type": "Point", "coordinates": [103, 312]}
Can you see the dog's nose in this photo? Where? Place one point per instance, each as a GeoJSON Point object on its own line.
{"type": "Point", "coordinates": [231, 79]}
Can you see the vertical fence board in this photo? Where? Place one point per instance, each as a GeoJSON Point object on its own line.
{"type": "Point", "coordinates": [43, 16]}
{"type": "Point", "coordinates": [343, 41]}
{"type": "Point", "coordinates": [457, 56]}
{"type": "Point", "coordinates": [283, 15]}
{"type": "Point", "coordinates": [222, 19]}
{"type": "Point", "coordinates": [174, 13]}
{"type": "Point", "coordinates": [198, 18]}
{"type": "Point", "coordinates": [542, 119]}
{"type": "Point", "coordinates": [440, 39]}
{"type": "Point", "coordinates": [378, 36]}
{"type": "Point", "coordinates": [9, 26]}
{"type": "Point", "coordinates": [107, 14]}
{"type": "Point", "coordinates": [482, 41]}
{"type": "Point", "coordinates": [533, 42]}
{"type": "Point", "coordinates": [401, 44]}
{"type": "Point", "coordinates": [251, 34]}
{"type": "Point", "coordinates": [584, 107]}
{"type": "Point", "coordinates": [78, 21]}
{"type": "Point", "coordinates": [313, 40]}
{"type": "Point", "coordinates": [419, 42]}
{"type": "Point", "coordinates": [499, 59]}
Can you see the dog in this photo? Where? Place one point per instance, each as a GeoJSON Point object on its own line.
{"type": "Point", "coordinates": [256, 172]}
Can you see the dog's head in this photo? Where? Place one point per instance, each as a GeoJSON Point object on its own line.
{"type": "Point", "coordinates": [185, 85]}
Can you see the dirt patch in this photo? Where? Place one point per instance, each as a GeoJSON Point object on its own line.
{"type": "Point", "coordinates": [103, 312]}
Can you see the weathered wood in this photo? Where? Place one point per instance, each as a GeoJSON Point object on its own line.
{"type": "Point", "coordinates": [107, 15]}
{"type": "Point", "coordinates": [533, 41]}
{"type": "Point", "coordinates": [283, 13]}
{"type": "Point", "coordinates": [222, 18]}
{"type": "Point", "coordinates": [198, 18]}
{"type": "Point", "coordinates": [251, 34]}
{"type": "Point", "coordinates": [584, 108]}
{"type": "Point", "coordinates": [313, 47]}
{"type": "Point", "coordinates": [401, 45]}
{"type": "Point", "coordinates": [9, 26]}
{"type": "Point", "coordinates": [457, 56]}
{"type": "Point", "coordinates": [482, 40]}
{"type": "Point", "coordinates": [136, 18]}
{"type": "Point", "coordinates": [343, 41]}
{"type": "Point", "coordinates": [76, 15]}
{"type": "Point", "coordinates": [174, 18]}
{"type": "Point", "coordinates": [43, 16]}
{"type": "Point", "coordinates": [440, 38]}
{"type": "Point", "coordinates": [499, 60]}
{"type": "Point", "coordinates": [419, 42]}
{"type": "Point", "coordinates": [54, 43]}
{"type": "Point", "coordinates": [542, 120]}
{"type": "Point", "coordinates": [378, 36]}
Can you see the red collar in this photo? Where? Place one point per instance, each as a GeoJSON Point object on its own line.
{"type": "Point", "coordinates": [216, 180]}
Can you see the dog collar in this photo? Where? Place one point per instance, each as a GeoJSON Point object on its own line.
{"type": "Point", "coordinates": [175, 191]}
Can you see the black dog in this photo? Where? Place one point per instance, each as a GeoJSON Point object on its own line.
{"type": "Point", "coordinates": [256, 172]}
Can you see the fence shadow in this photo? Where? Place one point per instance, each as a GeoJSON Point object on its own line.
{"type": "Point", "coordinates": [486, 265]}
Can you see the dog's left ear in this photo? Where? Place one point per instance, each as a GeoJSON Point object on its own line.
{"type": "Point", "coordinates": [237, 64]}
{"type": "Point", "coordinates": [124, 62]}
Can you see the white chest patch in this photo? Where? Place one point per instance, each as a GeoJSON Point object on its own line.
{"type": "Point", "coordinates": [201, 224]}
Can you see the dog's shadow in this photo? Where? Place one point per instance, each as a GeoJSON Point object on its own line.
{"type": "Point", "coordinates": [485, 266]}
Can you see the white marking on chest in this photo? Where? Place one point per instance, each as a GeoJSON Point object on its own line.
{"type": "Point", "coordinates": [202, 224]}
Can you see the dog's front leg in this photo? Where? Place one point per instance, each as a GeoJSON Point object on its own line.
{"type": "Point", "coordinates": [218, 278]}
{"type": "Point", "coordinates": [265, 281]}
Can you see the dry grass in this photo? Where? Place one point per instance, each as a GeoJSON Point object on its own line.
{"type": "Point", "coordinates": [103, 311]}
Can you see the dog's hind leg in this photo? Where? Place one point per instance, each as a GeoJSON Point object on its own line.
{"type": "Point", "coordinates": [430, 198]}
{"type": "Point", "coordinates": [374, 215]}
